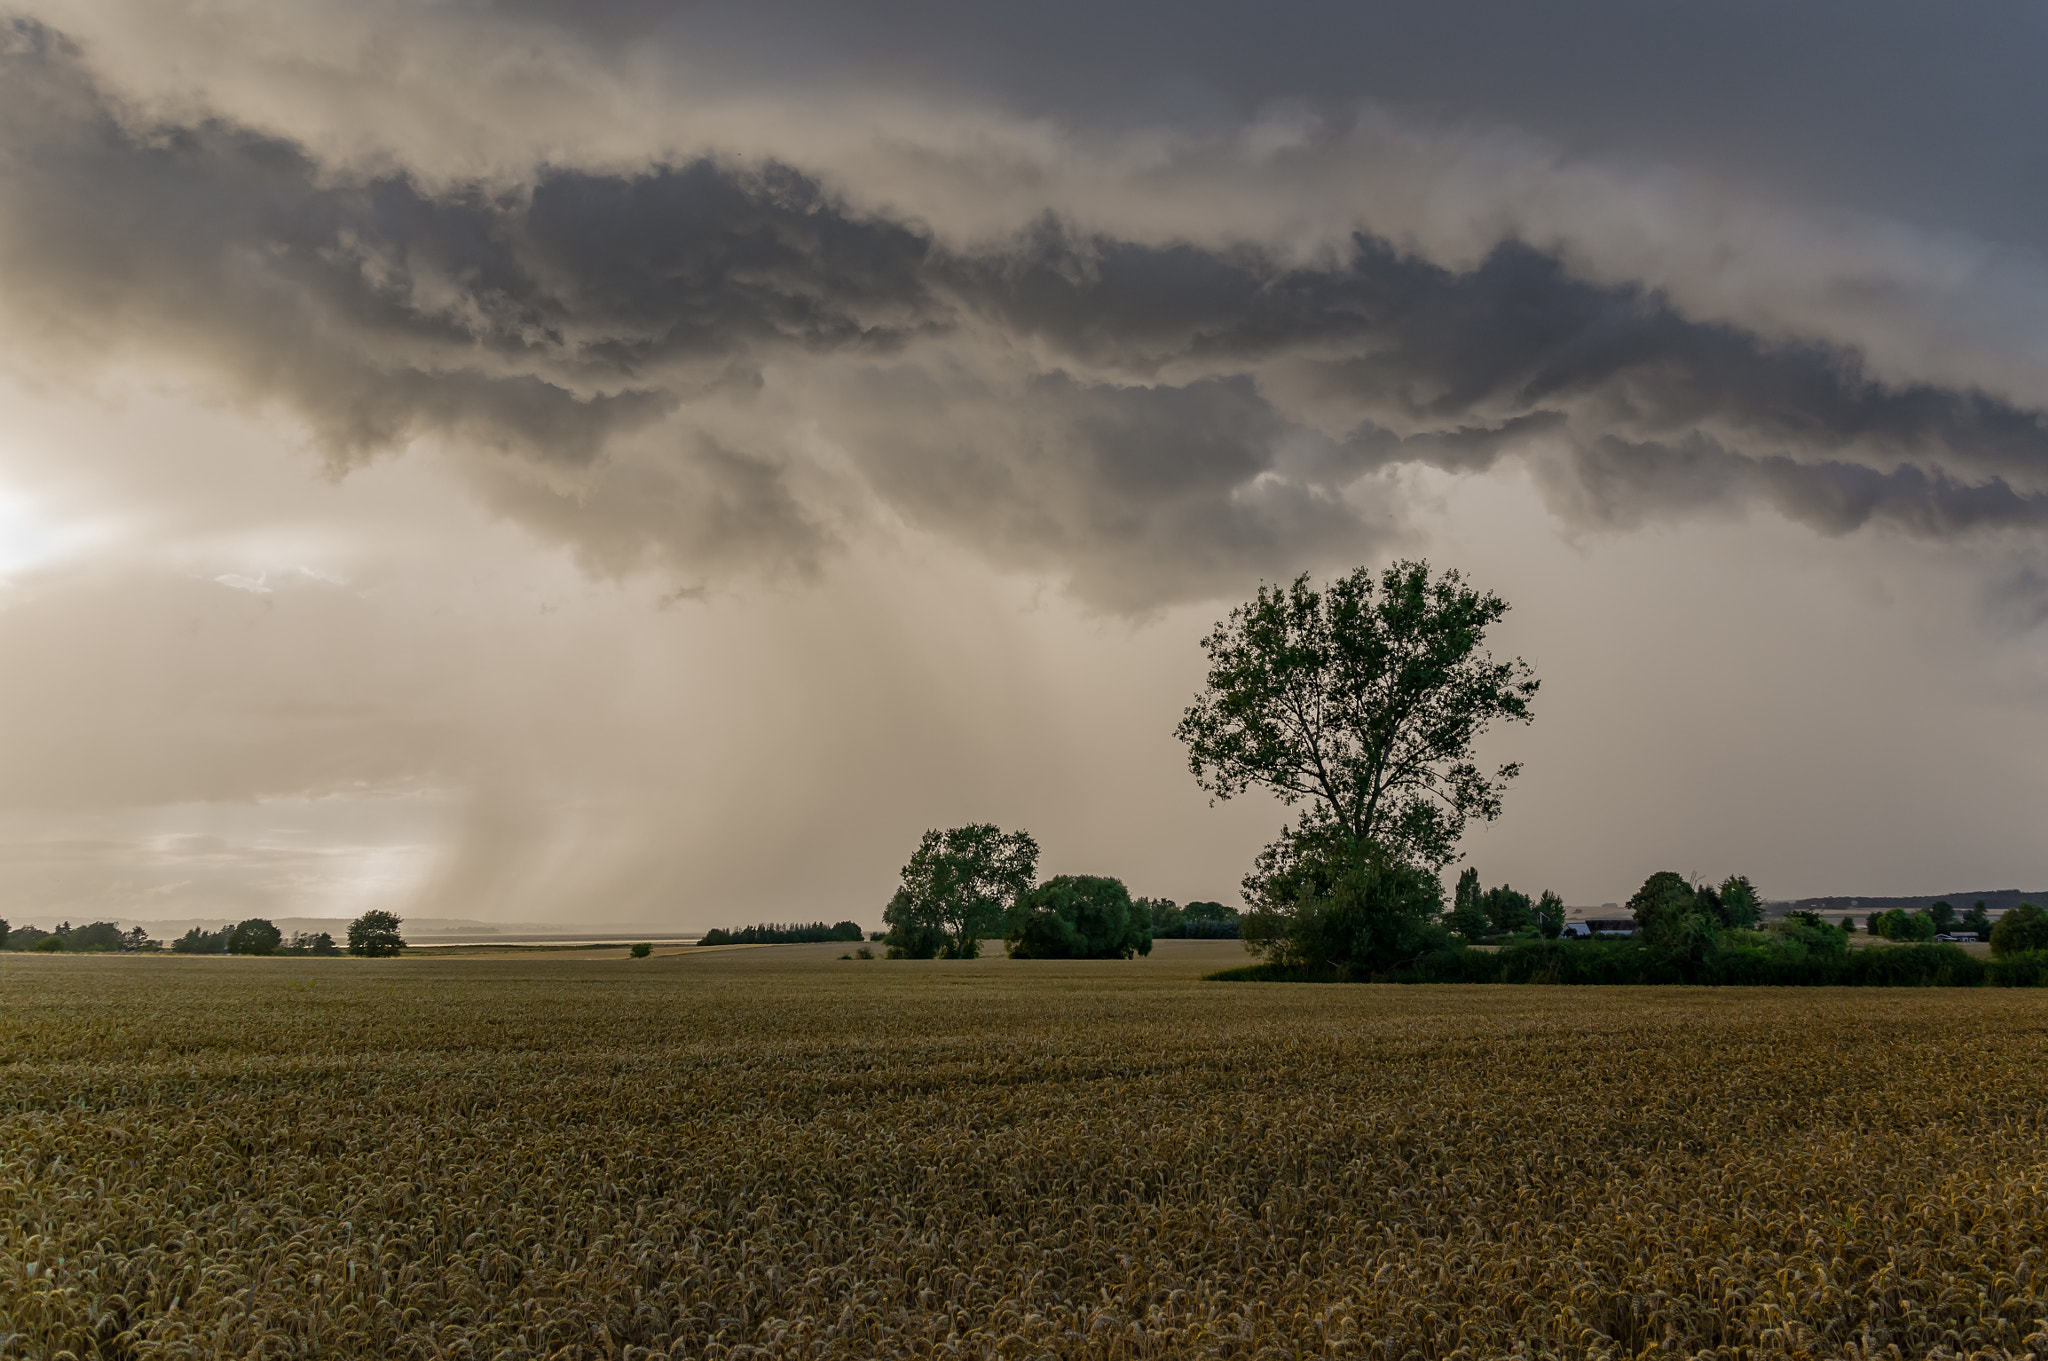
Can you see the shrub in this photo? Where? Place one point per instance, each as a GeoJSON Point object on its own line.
{"type": "Point", "coordinates": [2020, 931]}
{"type": "Point", "coordinates": [2025, 969]}
{"type": "Point", "coordinates": [49, 944]}
{"type": "Point", "coordinates": [641, 951]}
{"type": "Point", "coordinates": [1077, 916]}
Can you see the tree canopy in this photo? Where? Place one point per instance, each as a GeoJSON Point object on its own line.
{"type": "Point", "coordinates": [956, 890]}
{"type": "Point", "coordinates": [1077, 916]}
{"type": "Point", "coordinates": [375, 934]}
{"type": "Point", "coordinates": [255, 936]}
{"type": "Point", "coordinates": [2023, 928]}
{"type": "Point", "coordinates": [1362, 700]}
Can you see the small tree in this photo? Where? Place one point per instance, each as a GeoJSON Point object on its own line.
{"type": "Point", "coordinates": [642, 950]}
{"type": "Point", "coordinates": [956, 890]}
{"type": "Point", "coordinates": [1977, 920]}
{"type": "Point", "coordinates": [1354, 912]}
{"type": "Point", "coordinates": [1077, 916]}
{"type": "Point", "coordinates": [1507, 909]}
{"type": "Point", "coordinates": [2022, 929]}
{"type": "Point", "coordinates": [1944, 916]}
{"type": "Point", "coordinates": [1668, 914]}
{"type": "Point", "coordinates": [374, 935]}
{"type": "Point", "coordinates": [1468, 911]}
{"type": "Point", "coordinates": [1742, 907]}
{"type": "Point", "coordinates": [846, 931]}
{"type": "Point", "coordinates": [1848, 925]}
{"type": "Point", "coordinates": [254, 937]}
{"type": "Point", "coordinates": [1550, 915]}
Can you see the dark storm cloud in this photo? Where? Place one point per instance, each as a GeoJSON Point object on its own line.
{"type": "Point", "coordinates": [1148, 420]}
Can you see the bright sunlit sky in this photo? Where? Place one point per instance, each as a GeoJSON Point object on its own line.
{"type": "Point", "coordinates": [636, 463]}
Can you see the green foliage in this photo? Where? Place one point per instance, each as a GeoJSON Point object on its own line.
{"type": "Point", "coordinates": [1944, 916]}
{"type": "Point", "coordinates": [781, 933]}
{"type": "Point", "coordinates": [1508, 910]}
{"type": "Point", "coordinates": [1669, 915]}
{"type": "Point", "coordinates": [1899, 924]}
{"type": "Point", "coordinates": [642, 950]}
{"type": "Point", "coordinates": [3, 933]}
{"type": "Point", "coordinates": [1977, 920]}
{"type": "Point", "coordinates": [95, 936]}
{"type": "Point", "coordinates": [956, 890]}
{"type": "Point", "coordinates": [1364, 700]}
{"type": "Point", "coordinates": [1848, 925]}
{"type": "Point", "coordinates": [1468, 913]}
{"type": "Point", "coordinates": [1741, 906]}
{"type": "Point", "coordinates": [1196, 921]}
{"type": "Point", "coordinates": [375, 934]}
{"type": "Point", "coordinates": [254, 937]}
{"type": "Point", "coordinates": [1550, 915]}
{"type": "Point", "coordinates": [1077, 916]}
{"type": "Point", "coordinates": [2024, 969]}
{"type": "Point", "coordinates": [50, 943]}
{"type": "Point", "coordinates": [1164, 913]}
{"type": "Point", "coordinates": [1353, 909]}
{"type": "Point", "coordinates": [311, 943]}
{"type": "Point", "coordinates": [1633, 962]}
{"type": "Point", "coordinates": [1804, 933]}
{"type": "Point", "coordinates": [2022, 930]}
{"type": "Point", "coordinates": [201, 942]}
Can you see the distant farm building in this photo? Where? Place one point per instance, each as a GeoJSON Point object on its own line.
{"type": "Point", "coordinates": [1601, 926]}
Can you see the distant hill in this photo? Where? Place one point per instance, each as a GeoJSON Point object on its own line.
{"type": "Point", "coordinates": [1996, 901]}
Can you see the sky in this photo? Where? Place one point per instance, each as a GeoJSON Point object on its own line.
{"type": "Point", "coordinates": [634, 463]}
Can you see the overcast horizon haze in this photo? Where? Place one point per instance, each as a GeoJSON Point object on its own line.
{"type": "Point", "coordinates": [629, 462]}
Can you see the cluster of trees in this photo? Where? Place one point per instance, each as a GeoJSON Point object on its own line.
{"type": "Point", "coordinates": [1941, 919]}
{"type": "Point", "coordinates": [2022, 931]}
{"type": "Point", "coordinates": [779, 933]}
{"type": "Point", "coordinates": [1360, 704]}
{"type": "Point", "coordinates": [1196, 921]}
{"type": "Point", "coordinates": [374, 933]}
{"type": "Point", "coordinates": [93, 936]}
{"type": "Point", "coordinates": [1487, 914]}
{"type": "Point", "coordinates": [967, 884]}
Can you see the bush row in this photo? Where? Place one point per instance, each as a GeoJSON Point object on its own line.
{"type": "Point", "coordinates": [1624, 962]}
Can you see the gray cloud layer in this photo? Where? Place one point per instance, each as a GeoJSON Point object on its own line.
{"type": "Point", "coordinates": [649, 349]}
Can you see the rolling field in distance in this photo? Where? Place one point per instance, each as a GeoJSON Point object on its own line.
{"type": "Point", "coordinates": [770, 1152]}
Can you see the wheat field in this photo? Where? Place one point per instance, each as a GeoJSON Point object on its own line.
{"type": "Point", "coordinates": [772, 1152]}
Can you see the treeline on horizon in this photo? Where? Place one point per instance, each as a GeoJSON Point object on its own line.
{"type": "Point", "coordinates": [375, 933]}
{"type": "Point", "coordinates": [784, 933]}
{"type": "Point", "coordinates": [1683, 933]}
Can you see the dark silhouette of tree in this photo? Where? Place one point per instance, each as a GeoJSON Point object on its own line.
{"type": "Point", "coordinates": [375, 935]}
{"type": "Point", "coordinates": [956, 889]}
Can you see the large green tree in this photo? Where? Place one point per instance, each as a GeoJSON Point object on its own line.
{"type": "Point", "coordinates": [1742, 906]}
{"type": "Point", "coordinates": [1668, 912]}
{"type": "Point", "coordinates": [375, 934]}
{"type": "Point", "coordinates": [255, 936]}
{"type": "Point", "coordinates": [1077, 916]}
{"type": "Point", "coordinates": [2021, 929]}
{"type": "Point", "coordinates": [956, 889]}
{"type": "Point", "coordinates": [1362, 700]}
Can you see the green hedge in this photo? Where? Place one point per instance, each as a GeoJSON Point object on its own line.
{"type": "Point", "coordinates": [1624, 962]}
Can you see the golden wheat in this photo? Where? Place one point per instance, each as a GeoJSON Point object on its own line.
{"type": "Point", "coordinates": [774, 1153]}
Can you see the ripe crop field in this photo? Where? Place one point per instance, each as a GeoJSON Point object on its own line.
{"type": "Point", "coordinates": [770, 1152]}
